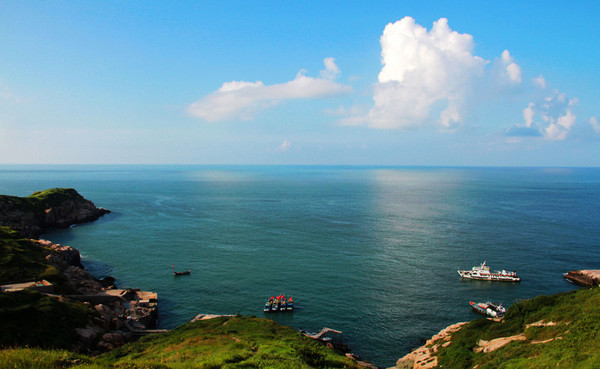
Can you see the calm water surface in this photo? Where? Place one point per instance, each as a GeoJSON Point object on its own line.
{"type": "Point", "coordinates": [369, 251]}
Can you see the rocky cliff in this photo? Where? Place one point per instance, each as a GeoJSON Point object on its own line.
{"type": "Point", "coordinates": [54, 208]}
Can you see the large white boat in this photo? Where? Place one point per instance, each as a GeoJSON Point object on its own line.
{"type": "Point", "coordinates": [483, 273]}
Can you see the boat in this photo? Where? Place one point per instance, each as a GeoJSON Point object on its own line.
{"type": "Point", "coordinates": [279, 303]}
{"type": "Point", "coordinates": [488, 308]}
{"type": "Point", "coordinates": [186, 272]}
{"type": "Point", "coordinates": [483, 273]}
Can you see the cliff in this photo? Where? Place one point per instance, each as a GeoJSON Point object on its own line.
{"type": "Point", "coordinates": [54, 208]}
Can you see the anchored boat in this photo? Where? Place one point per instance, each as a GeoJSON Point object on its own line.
{"type": "Point", "coordinates": [488, 308]}
{"type": "Point", "coordinates": [483, 273]}
{"type": "Point", "coordinates": [182, 273]}
{"type": "Point", "coordinates": [279, 303]}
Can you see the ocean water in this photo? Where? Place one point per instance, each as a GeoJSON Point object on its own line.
{"type": "Point", "coordinates": [370, 251]}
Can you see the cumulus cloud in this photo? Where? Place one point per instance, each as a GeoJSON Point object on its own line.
{"type": "Point", "coordinates": [421, 68]}
{"type": "Point", "coordinates": [428, 76]}
{"type": "Point", "coordinates": [512, 71]}
{"type": "Point", "coordinates": [552, 118]}
{"type": "Point", "coordinates": [242, 100]}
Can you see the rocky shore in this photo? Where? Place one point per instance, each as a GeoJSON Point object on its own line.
{"type": "Point", "coordinates": [116, 316]}
{"type": "Point", "coordinates": [119, 315]}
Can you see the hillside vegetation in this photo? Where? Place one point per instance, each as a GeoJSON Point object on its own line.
{"type": "Point", "coordinates": [558, 331]}
{"type": "Point", "coordinates": [29, 317]}
{"type": "Point", "coordinates": [226, 342]}
{"type": "Point", "coordinates": [23, 260]}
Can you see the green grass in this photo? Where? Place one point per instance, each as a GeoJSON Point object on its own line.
{"type": "Point", "coordinates": [41, 200]}
{"type": "Point", "coordinates": [22, 260]}
{"type": "Point", "coordinates": [26, 358]}
{"type": "Point", "coordinates": [29, 318]}
{"type": "Point", "coordinates": [229, 342]}
{"type": "Point", "coordinates": [577, 314]}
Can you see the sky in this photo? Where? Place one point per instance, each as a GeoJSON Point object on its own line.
{"type": "Point", "coordinates": [424, 83]}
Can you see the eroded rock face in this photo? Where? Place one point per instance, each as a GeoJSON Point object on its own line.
{"type": "Point", "coordinates": [58, 208]}
{"type": "Point", "coordinates": [425, 356]}
{"type": "Point", "coordinates": [62, 256]}
{"type": "Point", "coordinates": [586, 278]}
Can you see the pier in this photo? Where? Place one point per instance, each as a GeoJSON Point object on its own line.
{"type": "Point", "coordinates": [323, 332]}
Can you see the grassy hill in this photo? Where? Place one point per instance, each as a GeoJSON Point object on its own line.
{"type": "Point", "coordinates": [227, 342]}
{"type": "Point", "coordinates": [23, 260]}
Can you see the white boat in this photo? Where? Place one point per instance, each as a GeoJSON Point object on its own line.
{"type": "Point", "coordinates": [488, 308]}
{"type": "Point", "coordinates": [483, 273]}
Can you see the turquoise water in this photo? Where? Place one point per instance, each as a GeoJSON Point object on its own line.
{"type": "Point", "coordinates": [369, 251]}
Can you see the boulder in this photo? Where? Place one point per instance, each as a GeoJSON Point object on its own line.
{"type": "Point", "coordinates": [87, 335]}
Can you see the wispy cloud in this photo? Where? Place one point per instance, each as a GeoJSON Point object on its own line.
{"type": "Point", "coordinates": [242, 100]}
{"type": "Point", "coordinates": [285, 145]}
{"type": "Point", "coordinates": [595, 124]}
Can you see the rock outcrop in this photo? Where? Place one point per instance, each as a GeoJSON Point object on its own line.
{"type": "Point", "coordinates": [55, 208]}
{"type": "Point", "coordinates": [113, 310]}
{"type": "Point", "coordinates": [425, 357]}
{"type": "Point", "coordinates": [585, 278]}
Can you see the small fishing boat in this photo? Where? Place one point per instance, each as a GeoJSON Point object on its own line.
{"type": "Point", "coordinates": [186, 272]}
{"type": "Point", "coordinates": [488, 308]}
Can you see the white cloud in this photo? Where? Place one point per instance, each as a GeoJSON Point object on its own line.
{"type": "Point", "coordinates": [421, 68]}
{"type": "Point", "coordinates": [285, 145]}
{"type": "Point", "coordinates": [428, 77]}
{"type": "Point", "coordinates": [331, 70]}
{"type": "Point", "coordinates": [539, 81]}
{"type": "Point", "coordinates": [595, 124]}
{"type": "Point", "coordinates": [528, 114]}
{"type": "Point", "coordinates": [556, 118]}
{"type": "Point", "coordinates": [512, 71]}
{"type": "Point", "coordinates": [241, 99]}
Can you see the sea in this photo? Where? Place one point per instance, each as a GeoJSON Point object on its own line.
{"type": "Point", "coordinates": [369, 251]}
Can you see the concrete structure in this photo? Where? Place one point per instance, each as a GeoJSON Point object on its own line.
{"type": "Point", "coordinates": [42, 286]}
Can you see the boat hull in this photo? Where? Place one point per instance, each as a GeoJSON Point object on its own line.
{"type": "Point", "coordinates": [489, 278]}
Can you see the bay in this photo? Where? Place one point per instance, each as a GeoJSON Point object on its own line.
{"type": "Point", "coordinates": [370, 251]}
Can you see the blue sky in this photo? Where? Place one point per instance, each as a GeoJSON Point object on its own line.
{"type": "Point", "coordinates": [329, 82]}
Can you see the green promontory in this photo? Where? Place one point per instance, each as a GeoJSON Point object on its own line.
{"type": "Point", "coordinates": [54, 208]}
